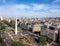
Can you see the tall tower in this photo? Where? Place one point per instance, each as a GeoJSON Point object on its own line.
{"type": "Point", "coordinates": [16, 26]}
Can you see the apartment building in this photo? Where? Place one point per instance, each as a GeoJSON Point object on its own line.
{"type": "Point", "coordinates": [59, 37]}
{"type": "Point", "coordinates": [36, 28]}
{"type": "Point", "coordinates": [51, 32]}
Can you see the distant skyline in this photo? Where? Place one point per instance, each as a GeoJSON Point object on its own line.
{"type": "Point", "coordinates": [30, 8]}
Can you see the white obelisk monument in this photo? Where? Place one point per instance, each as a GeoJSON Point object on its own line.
{"type": "Point", "coordinates": [16, 26]}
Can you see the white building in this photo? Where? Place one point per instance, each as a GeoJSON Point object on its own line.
{"type": "Point", "coordinates": [1, 18]}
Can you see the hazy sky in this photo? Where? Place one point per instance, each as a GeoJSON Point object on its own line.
{"type": "Point", "coordinates": [30, 8]}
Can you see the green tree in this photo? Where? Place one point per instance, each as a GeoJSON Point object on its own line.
{"type": "Point", "coordinates": [42, 39]}
{"type": "Point", "coordinates": [1, 26]}
{"type": "Point", "coordinates": [9, 24]}
{"type": "Point", "coordinates": [17, 44]}
{"type": "Point", "coordinates": [1, 40]}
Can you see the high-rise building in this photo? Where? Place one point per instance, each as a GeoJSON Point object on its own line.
{"type": "Point", "coordinates": [59, 36]}
{"type": "Point", "coordinates": [1, 18]}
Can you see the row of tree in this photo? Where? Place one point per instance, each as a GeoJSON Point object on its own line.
{"type": "Point", "coordinates": [1, 26]}
{"type": "Point", "coordinates": [16, 44]}
{"type": "Point", "coordinates": [9, 24]}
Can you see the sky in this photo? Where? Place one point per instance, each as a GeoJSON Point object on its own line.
{"type": "Point", "coordinates": [30, 8]}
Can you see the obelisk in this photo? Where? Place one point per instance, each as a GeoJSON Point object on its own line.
{"type": "Point", "coordinates": [16, 26]}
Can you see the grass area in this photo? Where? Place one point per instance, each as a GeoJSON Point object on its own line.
{"type": "Point", "coordinates": [17, 44]}
{"type": "Point", "coordinates": [26, 39]}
